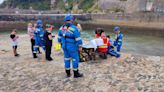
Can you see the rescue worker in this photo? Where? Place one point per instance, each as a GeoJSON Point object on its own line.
{"type": "Point", "coordinates": [104, 48]}
{"type": "Point", "coordinates": [111, 50]}
{"type": "Point", "coordinates": [118, 39]}
{"type": "Point", "coordinates": [71, 42]}
{"type": "Point", "coordinates": [38, 35]}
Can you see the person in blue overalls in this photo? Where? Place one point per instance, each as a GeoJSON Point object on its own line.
{"type": "Point", "coordinates": [111, 50]}
{"type": "Point", "coordinates": [38, 36]}
{"type": "Point", "coordinates": [69, 37]}
{"type": "Point", "coordinates": [118, 39]}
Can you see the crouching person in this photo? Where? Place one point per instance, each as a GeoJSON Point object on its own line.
{"type": "Point", "coordinates": [48, 41]}
{"type": "Point", "coordinates": [111, 50]}
{"type": "Point", "coordinates": [102, 50]}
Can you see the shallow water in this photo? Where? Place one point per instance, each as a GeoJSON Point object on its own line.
{"type": "Point", "coordinates": [132, 43]}
{"type": "Point", "coordinates": [136, 44]}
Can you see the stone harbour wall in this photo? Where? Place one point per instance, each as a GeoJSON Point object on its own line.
{"type": "Point", "coordinates": [8, 26]}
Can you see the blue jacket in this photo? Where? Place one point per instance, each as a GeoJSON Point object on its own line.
{"type": "Point", "coordinates": [69, 37]}
{"type": "Point", "coordinates": [118, 40]}
{"type": "Point", "coordinates": [38, 34]}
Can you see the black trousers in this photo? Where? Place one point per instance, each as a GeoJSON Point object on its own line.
{"type": "Point", "coordinates": [32, 45]}
{"type": "Point", "coordinates": [48, 51]}
{"type": "Point", "coordinates": [32, 48]}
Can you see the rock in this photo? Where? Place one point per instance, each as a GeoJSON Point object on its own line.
{"type": "Point", "coordinates": [162, 59]}
{"type": "Point", "coordinates": [45, 89]}
{"type": "Point", "coordinates": [124, 87]}
{"type": "Point", "coordinates": [114, 89]}
{"type": "Point", "coordinates": [133, 88]}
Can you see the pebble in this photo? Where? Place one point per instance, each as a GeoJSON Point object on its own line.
{"type": "Point", "coordinates": [136, 74]}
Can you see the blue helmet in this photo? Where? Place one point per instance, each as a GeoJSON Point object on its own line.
{"type": "Point", "coordinates": [39, 22]}
{"type": "Point", "coordinates": [117, 28]}
{"type": "Point", "coordinates": [68, 17]}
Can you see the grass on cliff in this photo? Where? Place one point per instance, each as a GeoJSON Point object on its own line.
{"type": "Point", "coordinates": [85, 5]}
{"type": "Point", "coordinates": [26, 4]}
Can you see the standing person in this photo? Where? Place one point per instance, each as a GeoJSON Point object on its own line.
{"type": "Point", "coordinates": [71, 42]}
{"type": "Point", "coordinates": [118, 39]}
{"type": "Point", "coordinates": [30, 31]}
{"type": "Point", "coordinates": [48, 41]}
{"type": "Point", "coordinates": [78, 26]}
{"type": "Point", "coordinates": [34, 27]}
{"type": "Point", "coordinates": [38, 34]}
{"type": "Point", "coordinates": [14, 39]}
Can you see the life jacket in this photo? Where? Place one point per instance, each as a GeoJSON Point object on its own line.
{"type": "Point", "coordinates": [104, 48]}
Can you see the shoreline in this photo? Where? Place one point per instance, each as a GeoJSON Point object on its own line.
{"type": "Point", "coordinates": [132, 72]}
{"type": "Point", "coordinates": [152, 29]}
{"type": "Point", "coordinates": [155, 25]}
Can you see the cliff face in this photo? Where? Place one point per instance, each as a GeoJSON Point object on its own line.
{"type": "Point", "coordinates": [128, 6]}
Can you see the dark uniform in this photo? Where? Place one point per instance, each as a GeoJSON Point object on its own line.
{"type": "Point", "coordinates": [48, 45]}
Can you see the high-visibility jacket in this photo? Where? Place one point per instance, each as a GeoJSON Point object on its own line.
{"type": "Point", "coordinates": [69, 37]}
{"type": "Point", "coordinates": [104, 48]}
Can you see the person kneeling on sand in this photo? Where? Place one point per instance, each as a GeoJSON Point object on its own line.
{"type": "Point", "coordinates": [111, 50]}
{"type": "Point", "coordinates": [102, 50]}
{"type": "Point", "coordinates": [14, 39]}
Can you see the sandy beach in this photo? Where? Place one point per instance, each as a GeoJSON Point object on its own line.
{"type": "Point", "coordinates": [131, 73]}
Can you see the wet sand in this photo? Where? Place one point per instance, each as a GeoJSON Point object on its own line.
{"type": "Point", "coordinates": [130, 73]}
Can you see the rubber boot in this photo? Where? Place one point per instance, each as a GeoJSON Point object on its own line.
{"type": "Point", "coordinates": [68, 73]}
{"type": "Point", "coordinates": [34, 55]}
{"type": "Point", "coordinates": [77, 74]}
